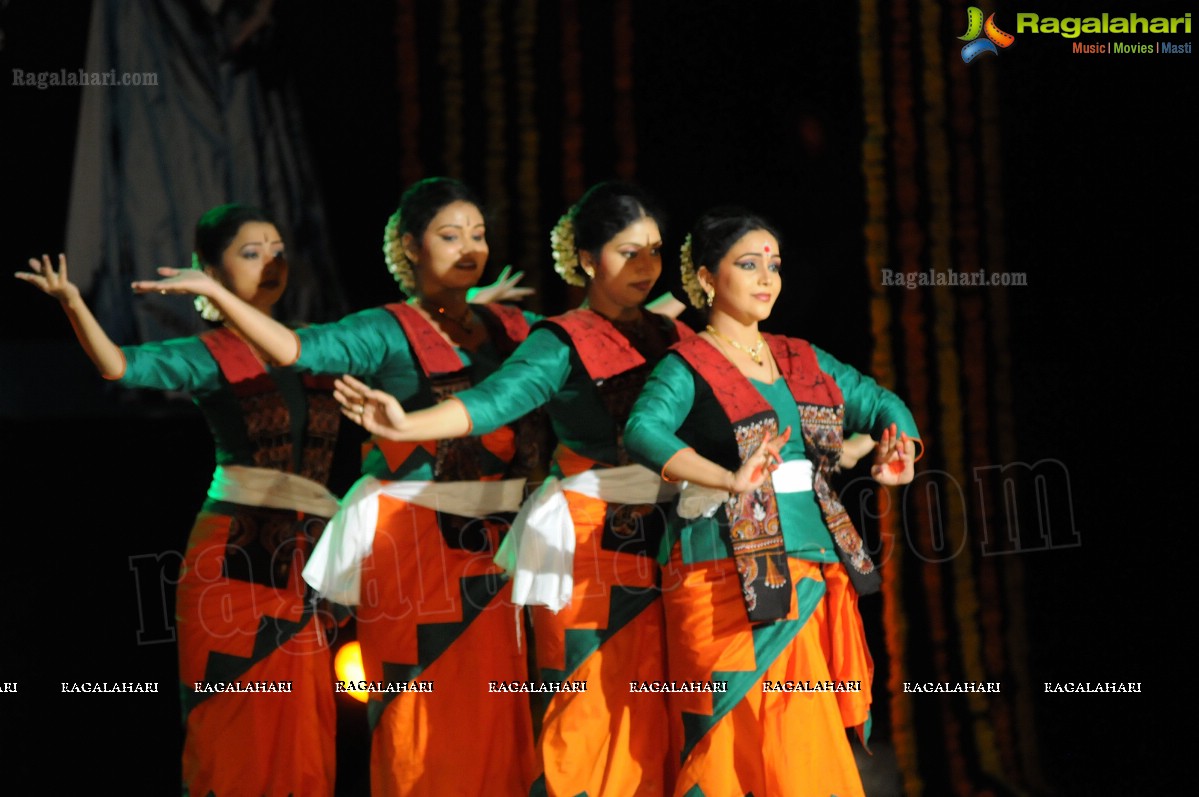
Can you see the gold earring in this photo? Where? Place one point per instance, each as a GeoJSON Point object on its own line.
{"type": "Point", "coordinates": [711, 296]}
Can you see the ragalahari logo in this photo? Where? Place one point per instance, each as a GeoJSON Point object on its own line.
{"type": "Point", "coordinates": [995, 38]}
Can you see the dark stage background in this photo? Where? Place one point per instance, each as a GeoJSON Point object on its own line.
{"type": "Point", "coordinates": [758, 103]}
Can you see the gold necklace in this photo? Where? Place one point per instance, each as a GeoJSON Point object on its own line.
{"type": "Point", "coordinates": [754, 352]}
{"type": "Point", "coordinates": [466, 322]}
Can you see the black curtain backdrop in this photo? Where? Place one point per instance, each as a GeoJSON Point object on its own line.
{"type": "Point", "coordinates": [760, 104]}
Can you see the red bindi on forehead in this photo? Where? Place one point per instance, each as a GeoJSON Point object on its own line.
{"type": "Point", "coordinates": [767, 248]}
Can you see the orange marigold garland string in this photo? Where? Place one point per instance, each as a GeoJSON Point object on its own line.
{"type": "Point", "coordinates": [624, 127]}
{"type": "Point", "coordinates": [449, 57]}
{"type": "Point", "coordinates": [909, 245]}
{"type": "Point", "coordinates": [909, 211]}
{"type": "Point", "coordinates": [931, 522]}
{"type": "Point", "coordinates": [532, 235]}
{"type": "Point", "coordinates": [949, 377]}
{"type": "Point", "coordinates": [975, 334]}
{"type": "Point", "coordinates": [573, 175]}
{"type": "Point", "coordinates": [995, 262]}
{"type": "Point", "coordinates": [573, 181]}
{"type": "Point", "coordinates": [407, 78]}
{"type": "Point", "coordinates": [495, 127]}
{"type": "Point", "coordinates": [874, 169]}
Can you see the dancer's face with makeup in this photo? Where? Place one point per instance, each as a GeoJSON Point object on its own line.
{"type": "Point", "coordinates": [624, 271]}
{"type": "Point", "coordinates": [452, 251]}
{"type": "Point", "coordinates": [253, 266]}
{"type": "Point", "coordinates": [748, 278]}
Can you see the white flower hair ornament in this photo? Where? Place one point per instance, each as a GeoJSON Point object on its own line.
{"type": "Point", "coordinates": [566, 257]}
{"type": "Point", "coordinates": [396, 258]}
{"type": "Point", "coordinates": [695, 292]}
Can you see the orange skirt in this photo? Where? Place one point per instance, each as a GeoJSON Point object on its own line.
{"type": "Point", "coordinates": [608, 740]}
{"type": "Point", "coordinates": [794, 686]}
{"type": "Point", "coordinates": [441, 618]}
{"type": "Point", "coordinates": [238, 631]}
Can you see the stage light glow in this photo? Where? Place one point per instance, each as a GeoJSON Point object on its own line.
{"type": "Point", "coordinates": [348, 666]}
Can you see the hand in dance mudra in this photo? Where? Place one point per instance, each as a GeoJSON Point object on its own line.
{"type": "Point", "coordinates": [894, 458]}
{"type": "Point", "coordinates": [504, 289]}
{"type": "Point", "coordinates": [48, 281]}
{"type": "Point", "coordinates": [178, 280]}
{"type": "Point", "coordinates": [376, 411]}
{"type": "Point", "coordinates": [200, 283]}
{"type": "Point", "coordinates": [765, 458]}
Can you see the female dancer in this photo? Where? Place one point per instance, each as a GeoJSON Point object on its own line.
{"type": "Point", "coordinates": [246, 619]}
{"type": "Point", "coordinates": [598, 616]}
{"type": "Point", "coordinates": [756, 594]}
{"type": "Point", "coordinates": [413, 547]}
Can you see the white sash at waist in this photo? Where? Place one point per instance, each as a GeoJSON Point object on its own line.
{"type": "Point", "coordinates": [539, 550]}
{"type": "Point", "coordinates": [793, 476]}
{"type": "Point", "coordinates": [273, 489]}
{"type": "Point", "coordinates": [335, 565]}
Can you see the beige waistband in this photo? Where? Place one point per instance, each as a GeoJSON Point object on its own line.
{"type": "Point", "coordinates": [274, 489]}
{"type": "Point", "coordinates": [335, 564]}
